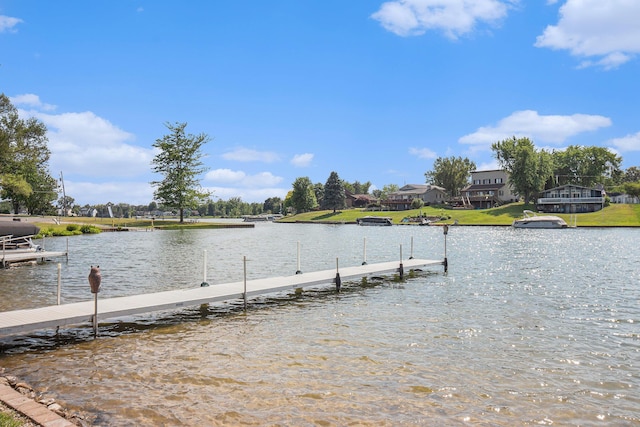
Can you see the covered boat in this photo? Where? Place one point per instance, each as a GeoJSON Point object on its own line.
{"type": "Point", "coordinates": [531, 220]}
{"type": "Point", "coordinates": [374, 220]}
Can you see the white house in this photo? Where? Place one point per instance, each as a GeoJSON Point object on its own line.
{"type": "Point", "coordinates": [488, 189]}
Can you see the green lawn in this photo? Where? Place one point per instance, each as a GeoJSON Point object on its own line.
{"type": "Point", "coordinates": [614, 215]}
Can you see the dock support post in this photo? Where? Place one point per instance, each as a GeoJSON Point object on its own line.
{"type": "Point", "coordinates": [401, 269]}
{"type": "Point", "coordinates": [95, 315]}
{"type": "Point", "coordinates": [298, 271]}
{"type": "Point", "coordinates": [364, 261]}
{"type": "Point", "coordinates": [411, 255]}
{"type": "Point", "coordinates": [445, 263]}
{"type": "Point", "coordinates": [244, 293]}
{"type": "Point", "coordinates": [67, 252]}
{"type": "Point", "coordinates": [204, 271]}
{"type": "Point", "coordinates": [338, 280]}
{"type": "Point", "coordinates": [59, 282]}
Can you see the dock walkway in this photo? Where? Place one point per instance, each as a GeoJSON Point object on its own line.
{"type": "Point", "coordinates": [20, 321]}
{"type": "Point", "coordinates": [9, 257]}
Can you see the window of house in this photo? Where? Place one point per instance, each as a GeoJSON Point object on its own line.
{"type": "Point", "coordinates": [498, 181]}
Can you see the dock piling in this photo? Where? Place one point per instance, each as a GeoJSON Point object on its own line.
{"type": "Point", "coordinates": [244, 293]}
{"type": "Point", "coordinates": [298, 271]}
{"type": "Point", "coordinates": [364, 262]}
{"type": "Point", "coordinates": [401, 269]}
{"type": "Point", "coordinates": [59, 282]}
{"type": "Point", "coordinates": [204, 271]}
{"type": "Point", "coordinates": [338, 280]}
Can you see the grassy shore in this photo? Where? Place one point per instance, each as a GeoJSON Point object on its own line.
{"type": "Point", "coordinates": [48, 225]}
{"type": "Point", "coordinates": [615, 215]}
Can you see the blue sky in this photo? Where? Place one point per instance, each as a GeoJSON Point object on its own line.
{"type": "Point", "coordinates": [374, 90]}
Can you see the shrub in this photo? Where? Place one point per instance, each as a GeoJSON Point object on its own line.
{"type": "Point", "coordinates": [72, 227]}
{"type": "Point", "coordinates": [90, 229]}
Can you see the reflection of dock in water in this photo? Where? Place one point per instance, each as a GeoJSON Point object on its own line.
{"type": "Point", "coordinates": [18, 321]}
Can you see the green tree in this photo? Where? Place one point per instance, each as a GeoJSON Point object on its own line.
{"type": "Point", "coordinates": [384, 193]}
{"type": "Point", "coordinates": [303, 199]}
{"type": "Point", "coordinates": [179, 163]}
{"type": "Point", "coordinates": [24, 158]}
{"type": "Point", "coordinates": [334, 196]}
{"type": "Point", "coordinates": [451, 173]}
{"type": "Point", "coordinates": [631, 174]}
{"type": "Point", "coordinates": [528, 169]}
{"type": "Point", "coordinates": [632, 189]}
{"type": "Point", "coordinates": [586, 166]}
{"type": "Point", "coordinates": [272, 205]}
{"type": "Point", "coordinates": [318, 190]}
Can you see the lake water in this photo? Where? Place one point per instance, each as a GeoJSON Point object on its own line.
{"type": "Point", "coordinates": [528, 327]}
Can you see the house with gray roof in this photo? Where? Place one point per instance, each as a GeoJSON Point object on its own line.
{"type": "Point", "coordinates": [401, 200]}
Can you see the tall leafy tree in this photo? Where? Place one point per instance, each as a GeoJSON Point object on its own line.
{"type": "Point", "coordinates": [631, 174]}
{"type": "Point", "coordinates": [451, 173]}
{"type": "Point", "coordinates": [179, 162]}
{"type": "Point", "coordinates": [586, 166]}
{"type": "Point", "coordinates": [24, 158]}
{"type": "Point", "coordinates": [303, 198]}
{"type": "Point", "coordinates": [384, 193]}
{"type": "Point", "coordinates": [528, 169]}
{"type": "Point", "coordinates": [272, 205]}
{"type": "Point", "coordinates": [334, 196]}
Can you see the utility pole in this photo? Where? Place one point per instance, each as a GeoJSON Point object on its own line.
{"type": "Point", "coordinates": [64, 196]}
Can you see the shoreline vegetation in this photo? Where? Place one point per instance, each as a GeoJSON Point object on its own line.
{"type": "Point", "coordinates": [614, 215]}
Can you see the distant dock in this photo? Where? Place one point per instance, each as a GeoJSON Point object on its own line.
{"type": "Point", "coordinates": [20, 321]}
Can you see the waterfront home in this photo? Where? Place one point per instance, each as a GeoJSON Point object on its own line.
{"type": "Point", "coordinates": [623, 198]}
{"type": "Point", "coordinates": [401, 200]}
{"type": "Point", "coordinates": [488, 189]}
{"type": "Point", "coordinates": [359, 200]}
{"type": "Point", "coordinates": [571, 199]}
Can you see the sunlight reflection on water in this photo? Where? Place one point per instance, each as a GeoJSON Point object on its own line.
{"type": "Point", "coordinates": [528, 327]}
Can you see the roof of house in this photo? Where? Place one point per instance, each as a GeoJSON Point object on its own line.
{"type": "Point", "coordinates": [478, 187]}
{"type": "Point", "coordinates": [417, 189]}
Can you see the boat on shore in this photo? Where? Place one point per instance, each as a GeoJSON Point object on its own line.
{"type": "Point", "coordinates": [261, 217]}
{"type": "Point", "coordinates": [16, 237]}
{"type": "Point", "coordinates": [531, 220]}
{"type": "Point", "coordinates": [374, 220]}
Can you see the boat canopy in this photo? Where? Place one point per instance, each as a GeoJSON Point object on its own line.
{"type": "Point", "coordinates": [18, 229]}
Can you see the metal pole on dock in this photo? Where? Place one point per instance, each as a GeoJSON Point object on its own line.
{"type": "Point", "coordinates": [401, 269]}
{"type": "Point", "coordinates": [411, 256]}
{"type": "Point", "coordinates": [364, 262]}
{"type": "Point", "coordinates": [338, 280]}
{"type": "Point", "coordinates": [298, 271]}
{"type": "Point", "coordinates": [244, 294]}
{"type": "Point", "coordinates": [204, 271]}
{"type": "Point", "coordinates": [445, 262]}
{"type": "Point", "coordinates": [59, 281]}
{"type": "Point", "coordinates": [95, 315]}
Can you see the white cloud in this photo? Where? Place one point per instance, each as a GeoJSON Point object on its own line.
{"type": "Point", "coordinates": [83, 143]}
{"type": "Point", "coordinates": [302, 160]}
{"type": "Point", "coordinates": [551, 129]}
{"type": "Point", "coordinates": [94, 193]}
{"type": "Point", "coordinates": [423, 153]}
{"type": "Point", "coordinates": [31, 100]}
{"type": "Point", "coordinates": [626, 143]}
{"type": "Point", "coordinates": [7, 23]}
{"type": "Point", "coordinates": [453, 17]}
{"type": "Point", "coordinates": [241, 179]}
{"type": "Point", "coordinates": [248, 155]}
{"type": "Point", "coordinates": [605, 30]}
{"type": "Point", "coordinates": [249, 195]}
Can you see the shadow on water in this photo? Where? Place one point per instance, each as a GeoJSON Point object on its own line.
{"type": "Point", "coordinates": [50, 340]}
